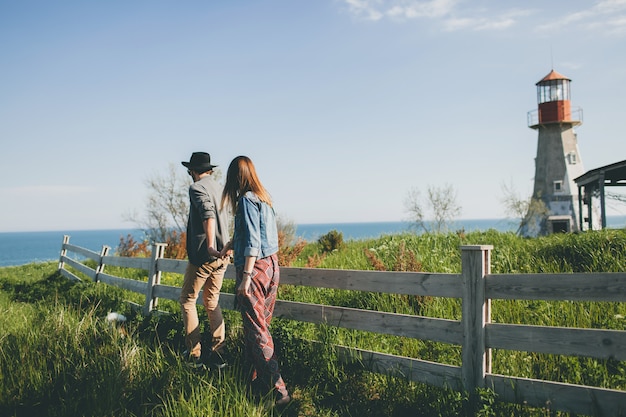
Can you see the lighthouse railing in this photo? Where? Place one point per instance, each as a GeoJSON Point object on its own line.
{"type": "Point", "coordinates": [534, 119]}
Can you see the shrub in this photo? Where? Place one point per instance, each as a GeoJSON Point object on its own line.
{"type": "Point", "coordinates": [287, 253]}
{"type": "Point", "coordinates": [176, 246]}
{"type": "Point", "coordinates": [331, 241]}
{"type": "Point", "coordinates": [131, 248]}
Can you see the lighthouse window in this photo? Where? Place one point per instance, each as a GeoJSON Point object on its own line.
{"type": "Point", "coordinates": [558, 186]}
{"type": "Point", "coordinates": [556, 93]}
{"type": "Point", "coordinates": [571, 158]}
{"type": "Point", "coordinates": [554, 90]}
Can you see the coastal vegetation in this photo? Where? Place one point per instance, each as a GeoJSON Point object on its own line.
{"type": "Point", "coordinates": [60, 356]}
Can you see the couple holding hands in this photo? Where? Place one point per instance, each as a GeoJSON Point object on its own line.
{"type": "Point", "coordinates": [254, 246]}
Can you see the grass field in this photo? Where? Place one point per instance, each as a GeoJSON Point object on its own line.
{"type": "Point", "coordinates": [59, 356]}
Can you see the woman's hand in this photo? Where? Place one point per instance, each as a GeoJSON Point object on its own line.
{"type": "Point", "coordinates": [248, 271]}
{"type": "Point", "coordinates": [244, 286]}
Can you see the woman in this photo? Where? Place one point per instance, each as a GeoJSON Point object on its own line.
{"type": "Point", "coordinates": [255, 246]}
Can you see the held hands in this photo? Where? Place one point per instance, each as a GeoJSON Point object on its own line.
{"type": "Point", "coordinates": [227, 250]}
{"type": "Point", "coordinates": [224, 253]}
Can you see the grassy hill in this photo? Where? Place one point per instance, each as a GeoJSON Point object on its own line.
{"type": "Point", "coordinates": [59, 356]}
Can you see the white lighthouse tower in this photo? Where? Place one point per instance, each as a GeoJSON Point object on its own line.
{"type": "Point", "coordinates": [558, 159]}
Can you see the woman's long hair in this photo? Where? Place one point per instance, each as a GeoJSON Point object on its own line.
{"type": "Point", "coordinates": [241, 178]}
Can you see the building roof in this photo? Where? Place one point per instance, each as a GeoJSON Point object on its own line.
{"type": "Point", "coordinates": [612, 174]}
{"type": "Point", "coordinates": [553, 75]}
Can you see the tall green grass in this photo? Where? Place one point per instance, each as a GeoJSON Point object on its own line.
{"type": "Point", "coordinates": [60, 357]}
{"type": "Point", "coordinates": [601, 251]}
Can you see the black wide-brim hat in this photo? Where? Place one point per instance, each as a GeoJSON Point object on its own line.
{"type": "Point", "coordinates": [199, 162]}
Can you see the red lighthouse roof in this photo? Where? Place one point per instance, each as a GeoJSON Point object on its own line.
{"type": "Point", "coordinates": [553, 75]}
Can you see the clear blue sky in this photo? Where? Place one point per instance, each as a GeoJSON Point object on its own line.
{"type": "Point", "coordinates": [344, 105]}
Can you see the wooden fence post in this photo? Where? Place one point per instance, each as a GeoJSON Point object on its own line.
{"type": "Point", "coordinates": [154, 277]}
{"type": "Point", "coordinates": [475, 264]}
{"type": "Point", "coordinates": [66, 240]}
{"type": "Point", "coordinates": [104, 252]}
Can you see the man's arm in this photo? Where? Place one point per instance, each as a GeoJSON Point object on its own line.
{"type": "Point", "coordinates": [209, 230]}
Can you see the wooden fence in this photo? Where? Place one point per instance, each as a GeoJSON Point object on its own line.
{"type": "Point", "coordinates": [475, 333]}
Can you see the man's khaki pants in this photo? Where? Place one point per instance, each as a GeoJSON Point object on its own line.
{"type": "Point", "coordinates": [208, 278]}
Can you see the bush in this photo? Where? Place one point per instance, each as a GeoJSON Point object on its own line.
{"type": "Point", "coordinates": [331, 241]}
{"type": "Point", "coordinates": [175, 249]}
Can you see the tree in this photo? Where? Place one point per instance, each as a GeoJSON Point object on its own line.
{"type": "Point", "coordinates": [531, 212]}
{"type": "Point", "coordinates": [167, 205]}
{"type": "Point", "coordinates": [441, 203]}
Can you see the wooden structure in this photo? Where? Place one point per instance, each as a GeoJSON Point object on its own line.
{"type": "Point", "coordinates": [474, 332]}
{"type": "Point", "coordinates": [592, 184]}
{"type": "Point", "coordinates": [558, 159]}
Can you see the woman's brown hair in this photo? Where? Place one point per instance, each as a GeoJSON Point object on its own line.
{"type": "Point", "coordinates": [241, 178]}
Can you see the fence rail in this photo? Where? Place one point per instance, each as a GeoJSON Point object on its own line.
{"type": "Point", "coordinates": [474, 332]}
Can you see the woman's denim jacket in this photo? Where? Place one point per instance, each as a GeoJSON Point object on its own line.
{"type": "Point", "coordinates": [255, 233]}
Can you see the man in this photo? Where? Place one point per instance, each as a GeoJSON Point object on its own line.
{"type": "Point", "coordinates": [207, 231]}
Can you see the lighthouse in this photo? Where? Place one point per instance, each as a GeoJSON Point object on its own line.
{"type": "Point", "coordinates": [558, 160]}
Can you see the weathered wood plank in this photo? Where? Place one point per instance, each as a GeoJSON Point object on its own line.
{"type": "Point", "coordinates": [82, 251]}
{"type": "Point", "coordinates": [476, 314]}
{"type": "Point", "coordinates": [410, 283]}
{"type": "Point", "coordinates": [154, 277]}
{"type": "Point", "coordinates": [596, 343]}
{"type": "Point", "coordinates": [66, 241]}
{"type": "Point", "coordinates": [69, 275]}
{"type": "Point", "coordinates": [80, 267]}
{"type": "Point", "coordinates": [169, 292]}
{"type": "Point", "coordinates": [227, 301]}
{"type": "Point", "coordinates": [424, 328]}
{"type": "Point", "coordinates": [418, 370]}
{"type": "Point", "coordinates": [127, 262]}
{"type": "Point", "coordinates": [577, 399]}
{"type": "Point", "coordinates": [573, 287]}
{"type": "Point", "coordinates": [230, 272]}
{"type": "Point", "coordinates": [418, 327]}
{"type": "Point", "coordinates": [177, 266]}
{"type": "Point", "coordinates": [127, 284]}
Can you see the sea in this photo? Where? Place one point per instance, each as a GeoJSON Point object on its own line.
{"type": "Point", "coordinates": [20, 248]}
